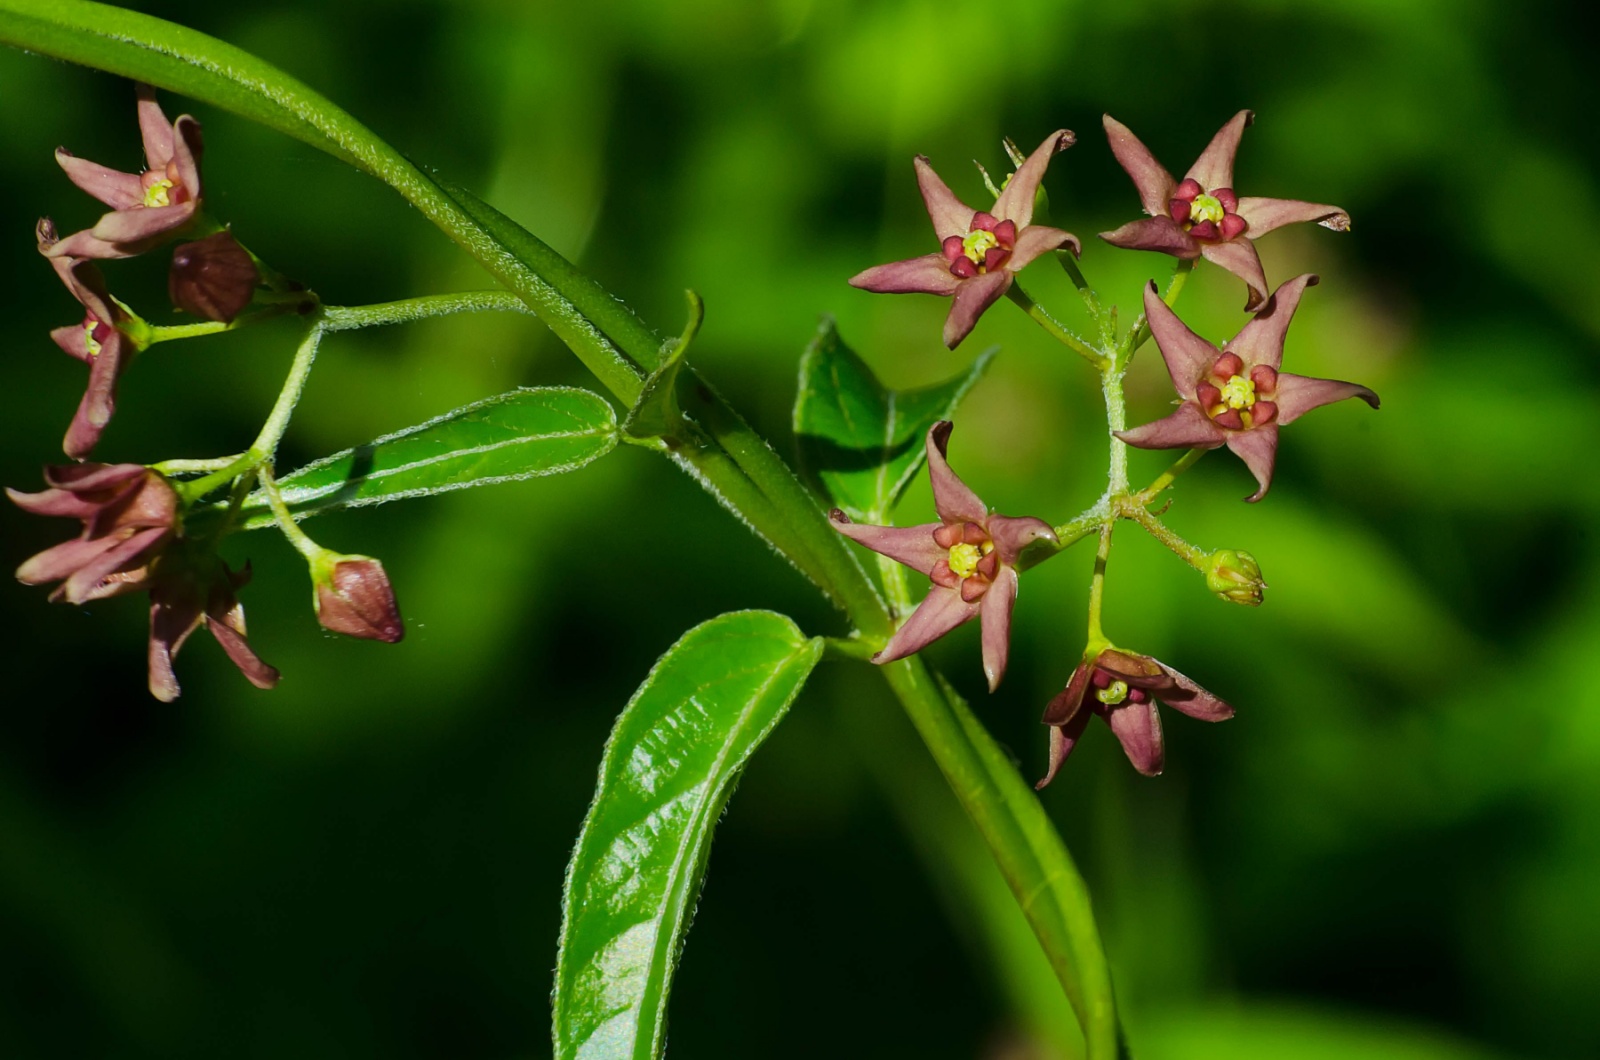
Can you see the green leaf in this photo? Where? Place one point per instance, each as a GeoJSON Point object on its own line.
{"type": "Point", "coordinates": [669, 768]}
{"type": "Point", "coordinates": [522, 434]}
{"type": "Point", "coordinates": [860, 441]}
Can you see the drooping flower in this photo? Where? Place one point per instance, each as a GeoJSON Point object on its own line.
{"type": "Point", "coordinates": [131, 541]}
{"type": "Point", "coordinates": [1236, 396]}
{"type": "Point", "coordinates": [354, 597]}
{"type": "Point", "coordinates": [1123, 688]}
{"type": "Point", "coordinates": [981, 250]}
{"type": "Point", "coordinates": [213, 278]}
{"type": "Point", "coordinates": [1201, 216]}
{"type": "Point", "coordinates": [969, 555]}
{"type": "Point", "coordinates": [99, 342]}
{"type": "Point", "coordinates": [146, 207]}
{"type": "Point", "coordinates": [129, 515]}
{"type": "Point", "coordinates": [189, 588]}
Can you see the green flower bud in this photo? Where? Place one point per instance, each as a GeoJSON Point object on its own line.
{"type": "Point", "coordinates": [1235, 576]}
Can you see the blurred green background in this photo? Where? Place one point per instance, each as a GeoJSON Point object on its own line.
{"type": "Point", "coordinates": [1393, 851]}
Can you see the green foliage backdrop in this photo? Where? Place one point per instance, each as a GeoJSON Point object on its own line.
{"type": "Point", "coordinates": [1391, 852]}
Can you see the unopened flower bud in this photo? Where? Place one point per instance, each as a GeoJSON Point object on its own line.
{"type": "Point", "coordinates": [1235, 576]}
{"type": "Point", "coordinates": [213, 277]}
{"type": "Point", "coordinates": [353, 596]}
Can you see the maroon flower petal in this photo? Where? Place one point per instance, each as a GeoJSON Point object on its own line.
{"type": "Point", "coordinates": [1065, 706]}
{"type": "Point", "coordinates": [1266, 214]}
{"type": "Point", "coordinates": [972, 298]}
{"type": "Point", "coordinates": [59, 561]}
{"type": "Point", "coordinates": [154, 128]}
{"type": "Point", "coordinates": [87, 478]}
{"type": "Point", "coordinates": [1138, 729]}
{"type": "Point", "coordinates": [1214, 167]}
{"type": "Point", "coordinates": [940, 611]}
{"type": "Point", "coordinates": [99, 400]}
{"type": "Point", "coordinates": [1041, 239]}
{"type": "Point", "coordinates": [1193, 700]}
{"type": "Point", "coordinates": [238, 649]}
{"type": "Point", "coordinates": [1187, 428]}
{"type": "Point", "coordinates": [1155, 184]}
{"type": "Point", "coordinates": [1161, 234]}
{"type": "Point", "coordinates": [134, 227]}
{"type": "Point", "coordinates": [1258, 448]}
{"type": "Point", "coordinates": [950, 216]}
{"type": "Point", "coordinates": [1187, 355]}
{"type": "Point", "coordinates": [1016, 201]}
{"type": "Point", "coordinates": [1260, 341]}
{"type": "Point", "coordinates": [64, 503]}
{"type": "Point", "coordinates": [86, 244]}
{"type": "Point", "coordinates": [929, 274]}
{"type": "Point", "coordinates": [84, 582]}
{"type": "Point", "coordinates": [186, 150]}
{"type": "Point", "coordinates": [1240, 258]}
{"type": "Point", "coordinates": [996, 609]}
{"type": "Point", "coordinates": [952, 499]}
{"type": "Point", "coordinates": [1299, 394]}
{"type": "Point", "coordinates": [1063, 738]}
{"type": "Point", "coordinates": [912, 545]}
{"type": "Point", "coordinates": [171, 622]}
{"type": "Point", "coordinates": [116, 189]}
{"type": "Point", "coordinates": [1139, 671]}
{"type": "Point", "coordinates": [1011, 534]}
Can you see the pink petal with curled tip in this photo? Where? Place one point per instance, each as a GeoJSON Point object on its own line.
{"type": "Point", "coordinates": [1214, 167]}
{"type": "Point", "coordinates": [929, 274]}
{"type": "Point", "coordinates": [62, 503]}
{"type": "Point", "coordinates": [995, 609]}
{"type": "Point", "coordinates": [83, 582]}
{"type": "Point", "coordinates": [1299, 394]}
{"type": "Point", "coordinates": [972, 298]}
{"type": "Point", "coordinates": [952, 498]}
{"type": "Point", "coordinates": [912, 545]}
{"type": "Point", "coordinates": [130, 228]}
{"type": "Point", "coordinates": [1260, 341]}
{"type": "Point", "coordinates": [1264, 215]}
{"type": "Point", "coordinates": [1240, 258]}
{"type": "Point", "coordinates": [1041, 239]}
{"type": "Point", "coordinates": [950, 216]}
{"type": "Point", "coordinates": [1138, 729]}
{"type": "Point", "coordinates": [1189, 698]}
{"type": "Point", "coordinates": [1160, 234]}
{"type": "Point", "coordinates": [1067, 703]}
{"type": "Point", "coordinates": [1155, 184]}
{"type": "Point", "coordinates": [1186, 428]}
{"type": "Point", "coordinates": [116, 189]}
{"type": "Point", "coordinates": [171, 623]}
{"type": "Point", "coordinates": [239, 651]}
{"type": "Point", "coordinates": [1016, 201]}
{"type": "Point", "coordinates": [940, 611]}
{"type": "Point", "coordinates": [1188, 357]}
{"type": "Point", "coordinates": [1063, 738]}
{"type": "Point", "coordinates": [1258, 448]}
{"type": "Point", "coordinates": [88, 478]}
{"type": "Point", "coordinates": [86, 244]}
{"type": "Point", "coordinates": [154, 129]}
{"type": "Point", "coordinates": [187, 149]}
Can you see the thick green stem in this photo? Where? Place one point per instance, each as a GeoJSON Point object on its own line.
{"type": "Point", "coordinates": [1024, 842]}
{"type": "Point", "coordinates": [407, 310]}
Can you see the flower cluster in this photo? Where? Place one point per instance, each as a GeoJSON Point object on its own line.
{"type": "Point", "coordinates": [1234, 395]}
{"type": "Point", "coordinates": [134, 537]}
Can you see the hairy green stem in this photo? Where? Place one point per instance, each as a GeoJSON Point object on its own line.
{"type": "Point", "coordinates": [1165, 479]}
{"type": "Point", "coordinates": [285, 519]}
{"type": "Point", "coordinates": [1140, 332]}
{"type": "Point", "coordinates": [1058, 330]}
{"type": "Point", "coordinates": [407, 310]}
{"type": "Point", "coordinates": [1191, 554]}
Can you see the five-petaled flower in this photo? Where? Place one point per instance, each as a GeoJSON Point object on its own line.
{"type": "Point", "coordinates": [146, 207]}
{"type": "Point", "coordinates": [1201, 216]}
{"type": "Point", "coordinates": [98, 342]}
{"type": "Point", "coordinates": [1122, 688]}
{"type": "Point", "coordinates": [132, 541]}
{"type": "Point", "coordinates": [1235, 396]}
{"type": "Point", "coordinates": [981, 251]}
{"type": "Point", "coordinates": [970, 556]}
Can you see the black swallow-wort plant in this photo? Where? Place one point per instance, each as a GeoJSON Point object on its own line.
{"type": "Point", "coordinates": [154, 525]}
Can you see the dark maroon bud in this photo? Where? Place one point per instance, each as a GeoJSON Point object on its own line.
{"type": "Point", "coordinates": [213, 278]}
{"type": "Point", "coordinates": [354, 597]}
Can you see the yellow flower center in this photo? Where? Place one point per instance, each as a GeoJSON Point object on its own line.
{"type": "Point", "coordinates": [1113, 693]}
{"type": "Point", "coordinates": [1206, 208]}
{"type": "Point", "coordinates": [89, 341]}
{"type": "Point", "coordinates": [156, 194]}
{"type": "Point", "coordinates": [977, 244]}
{"type": "Point", "coordinates": [1239, 392]}
{"type": "Point", "coordinates": [964, 559]}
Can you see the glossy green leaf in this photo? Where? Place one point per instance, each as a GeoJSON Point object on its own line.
{"type": "Point", "coordinates": [669, 768]}
{"type": "Point", "coordinates": [859, 440]}
{"type": "Point", "coordinates": [522, 434]}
